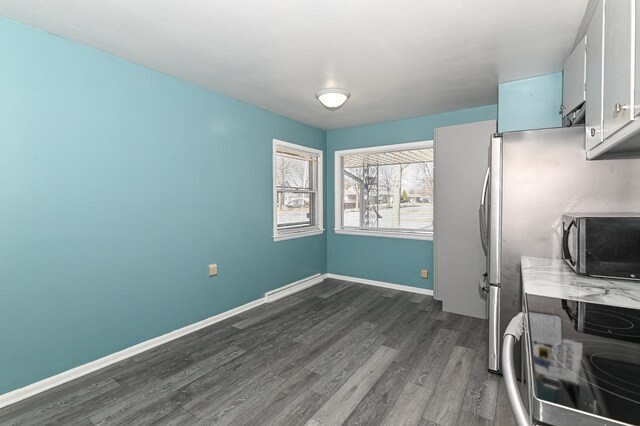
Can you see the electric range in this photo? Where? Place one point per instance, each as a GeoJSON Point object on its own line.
{"type": "Point", "coordinates": [583, 362]}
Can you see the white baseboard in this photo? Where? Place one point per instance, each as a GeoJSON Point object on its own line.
{"type": "Point", "coordinates": [50, 382]}
{"type": "Point", "coordinates": [382, 284]}
{"type": "Point", "coordinates": [271, 296]}
{"type": "Point", "coordinates": [279, 293]}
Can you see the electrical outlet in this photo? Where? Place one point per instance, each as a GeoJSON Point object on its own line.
{"type": "Point", "coordinates": [424, 273]}
{"type": "Point", "coordinates": [213, 269]}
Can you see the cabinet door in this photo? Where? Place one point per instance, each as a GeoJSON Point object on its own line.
{"type": "Point", "coordinates": [618, 60]}
{"type": "Point", "coordinates": [636, 106]}
{"type": "Point", "coordinates": [573, 79]}
{"type": "Point", "coordinates": [595, 37]}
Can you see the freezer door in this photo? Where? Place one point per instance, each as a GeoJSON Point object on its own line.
{"type": "Point", "coordinates": [494, 328]}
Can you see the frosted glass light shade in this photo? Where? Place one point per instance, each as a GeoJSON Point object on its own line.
{"type": "Point", "coordinates": [332, 99]}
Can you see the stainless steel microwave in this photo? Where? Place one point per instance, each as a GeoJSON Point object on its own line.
{"type": "Point", "coordinates": [602, 245]}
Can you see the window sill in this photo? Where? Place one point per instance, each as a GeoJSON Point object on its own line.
{"type": "Point", "coordinates": [300, 234]}
{"type": "Point", "coordinates": [427, 236]}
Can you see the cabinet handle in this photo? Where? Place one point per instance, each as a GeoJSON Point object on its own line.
{"type": "Point", "coordinates": [594, 131]}
{"type": "Point", "coordinates": [621, 107]}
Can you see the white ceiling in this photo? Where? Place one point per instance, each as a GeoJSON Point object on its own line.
{"type": "Point", "coordinates": [398, 59]}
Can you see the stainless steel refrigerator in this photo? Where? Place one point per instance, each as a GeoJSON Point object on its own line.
{"type": "Point", "coordinates": [533, 178]}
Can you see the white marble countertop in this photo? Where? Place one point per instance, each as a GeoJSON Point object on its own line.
{"type": "Point", "coordinates": [554, 278]}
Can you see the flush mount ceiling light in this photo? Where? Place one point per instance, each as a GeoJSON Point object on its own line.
{"type": "Point", "coordinates": [333, 99]}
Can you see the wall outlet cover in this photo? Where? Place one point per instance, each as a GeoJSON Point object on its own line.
{"type": "Point", "coordinates": [424, 273]}
{"type": "Point", "coordinates": [213, 269]}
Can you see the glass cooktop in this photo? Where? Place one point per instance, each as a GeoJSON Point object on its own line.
{"type": "Point", "coordinates": [586, 356]}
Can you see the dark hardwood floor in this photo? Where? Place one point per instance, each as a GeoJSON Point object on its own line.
{"type": "Point", "coordinates": [337, 353]}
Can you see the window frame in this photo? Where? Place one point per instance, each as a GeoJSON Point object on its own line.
{"type": "Point", "coordinates": [339, 228]}
{"type": "Point", "coordinates": [303, 231]}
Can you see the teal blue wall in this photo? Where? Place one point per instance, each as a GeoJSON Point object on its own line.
{"type": "Point", "coordinates": [391, 260]}
{"type": "Point", "coordinates": [118, 185]}
{"type": "Point", "coordinates": [117, 188]}
{"type": "Point", "coordinates": [533, 103]}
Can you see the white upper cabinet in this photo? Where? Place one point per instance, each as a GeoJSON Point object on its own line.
{"type": "Point", "coordinates": [637, 76]}
{"type": "Point", "coordinates": [619, 65]}
{"type": "Point", "coordinates": [613, 80]}
{"type": "Point", "coordinates": [573, 74]}
{"type": "Point", "coordinates": [593, 118]}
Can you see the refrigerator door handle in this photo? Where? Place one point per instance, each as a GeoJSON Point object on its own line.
{"type": "Point", "coordinates": [483, 213]}
{"type": "Point", "coordinates": [485, 187]}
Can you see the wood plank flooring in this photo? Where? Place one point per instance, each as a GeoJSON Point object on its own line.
{"type": "Point", "coordinates": [338, 353]}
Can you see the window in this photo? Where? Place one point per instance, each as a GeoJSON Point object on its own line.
{"type": "Point", "coordinates": [385, 191]}
{"type": "Point", "coordinates": [297, 191]}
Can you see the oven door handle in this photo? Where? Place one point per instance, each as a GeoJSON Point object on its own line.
{"type": "Point", "coordinates": [511, 336]}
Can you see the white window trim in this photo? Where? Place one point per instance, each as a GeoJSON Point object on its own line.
{"type": "Point", "coordinates": [339, 199]}
{"type": "Point", "coordinates": [317, 229]}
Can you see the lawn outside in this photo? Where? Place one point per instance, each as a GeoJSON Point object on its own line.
{"type": "Point", "coordinates": [412, 216]}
